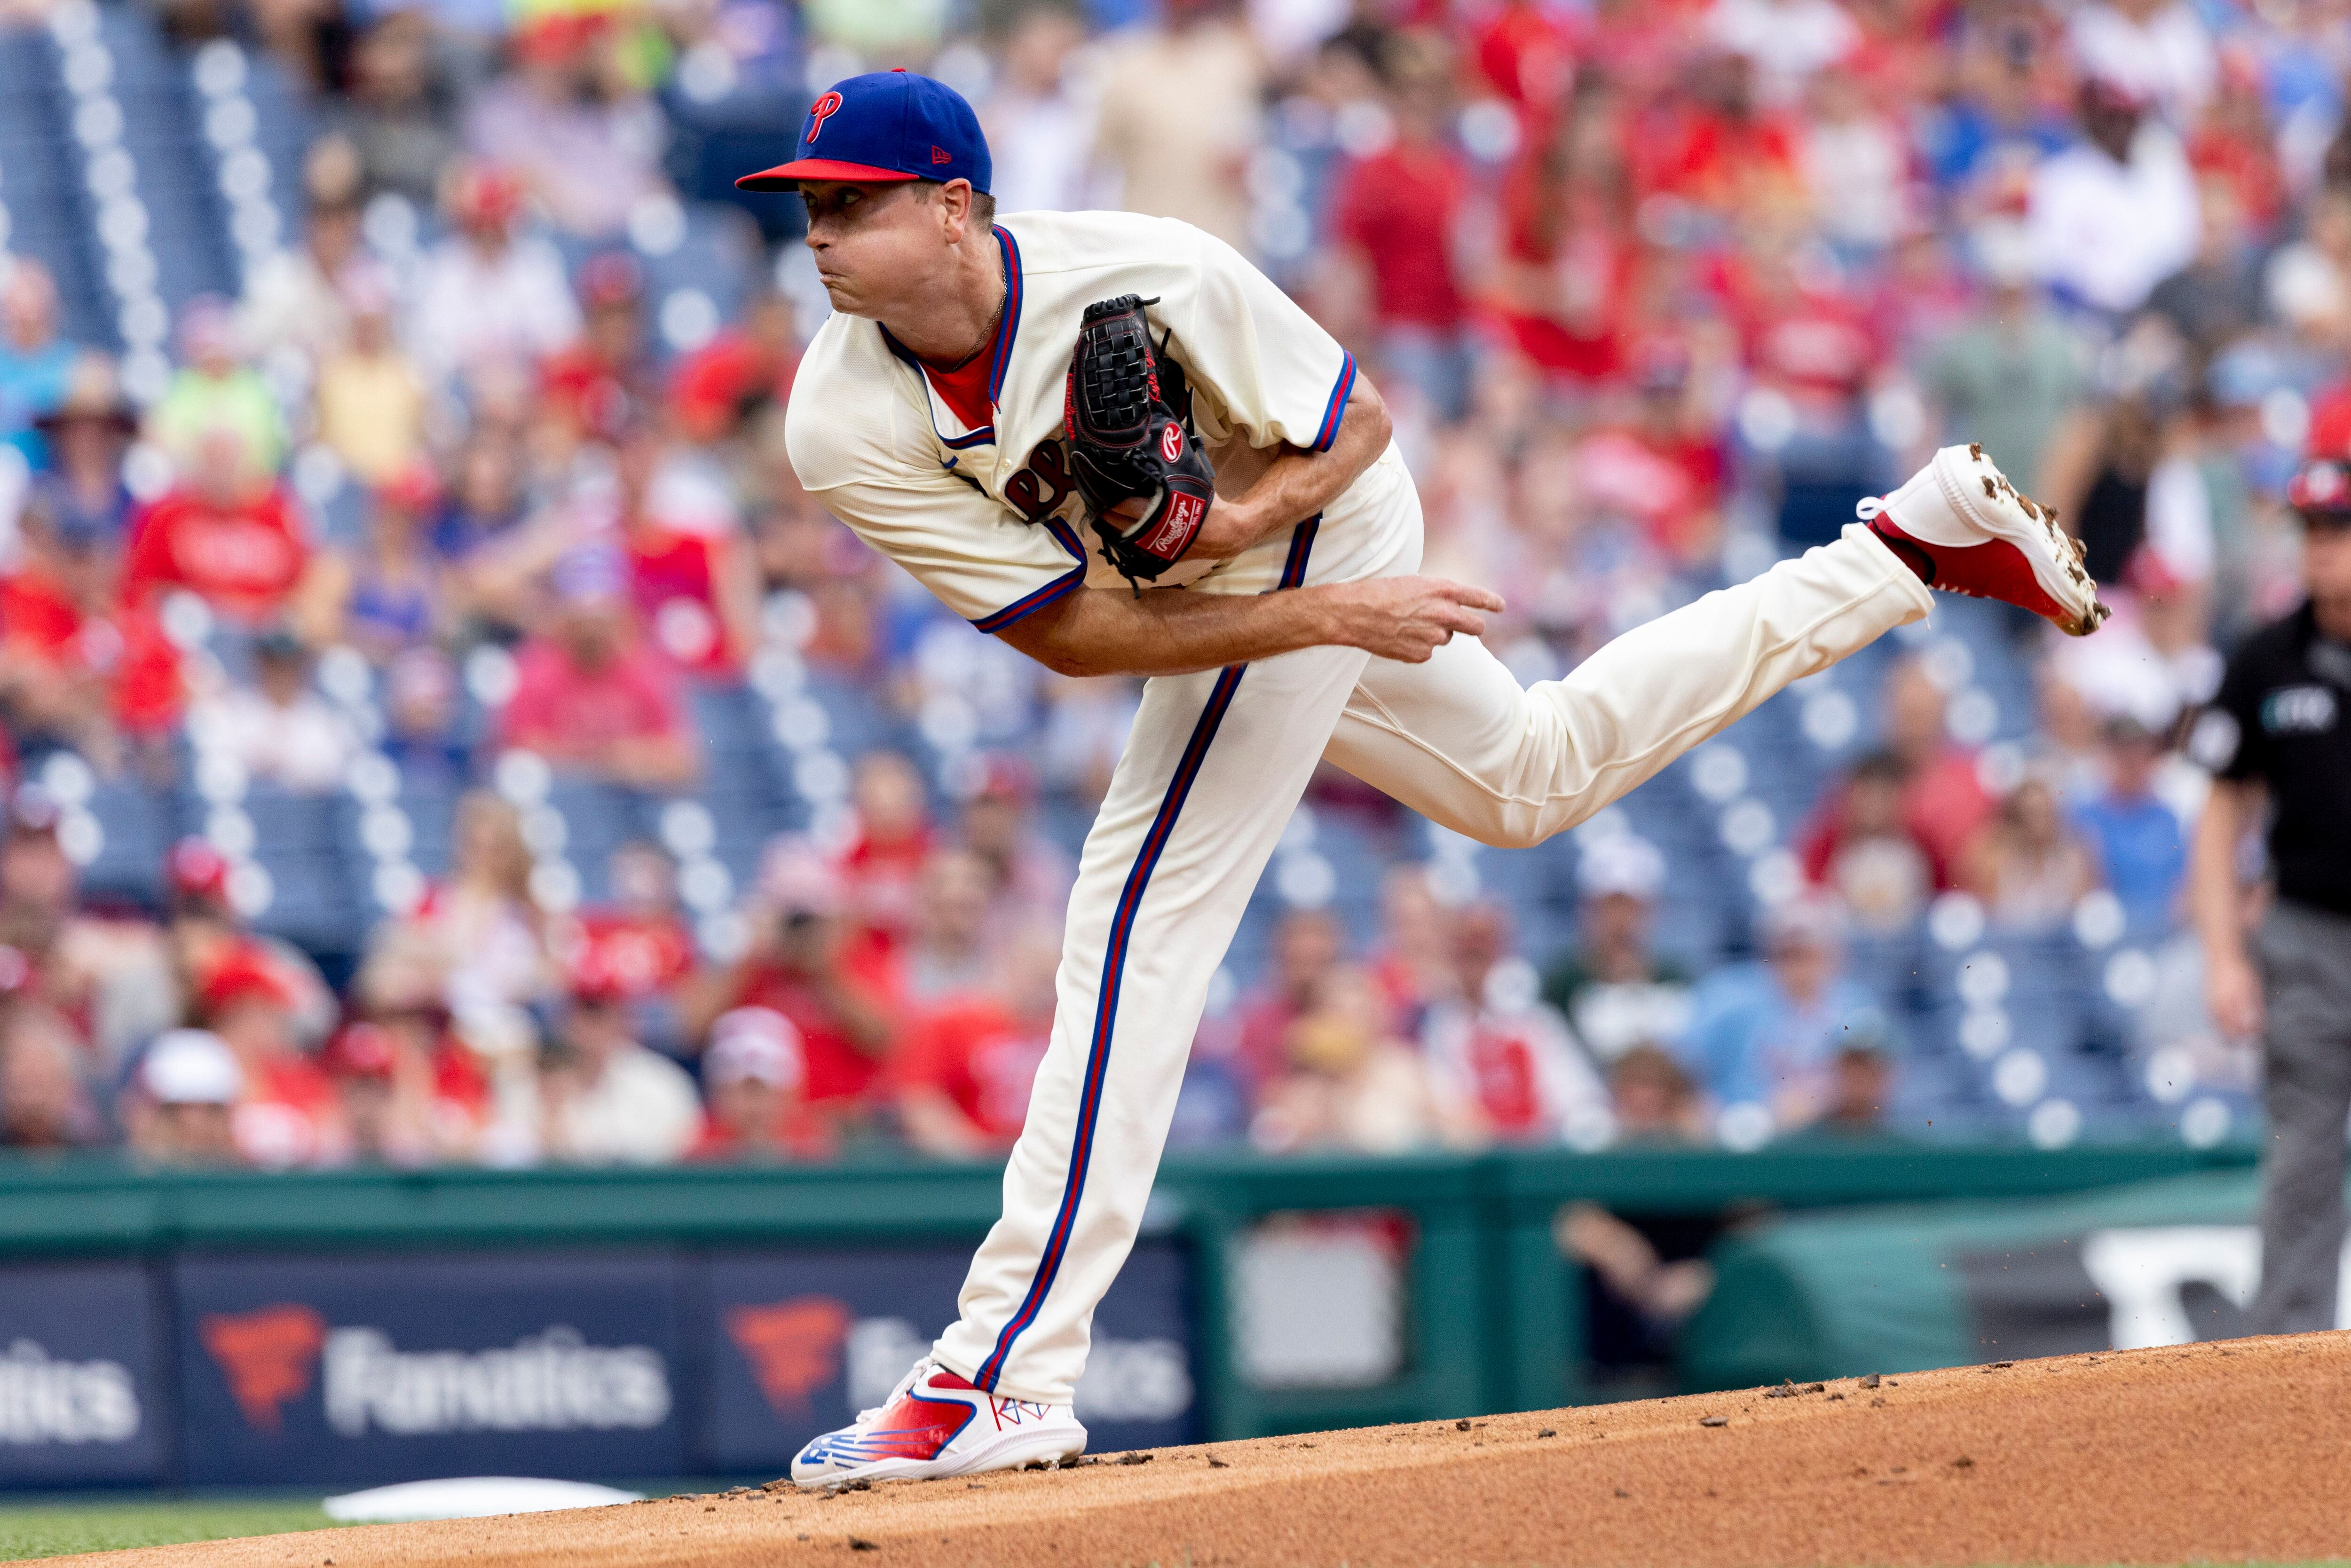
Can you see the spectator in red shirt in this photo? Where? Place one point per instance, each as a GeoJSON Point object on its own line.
{"type": "Point", "coordinates": [720, 387]}
{"type": "Point", "coordinates": [1661, 467]}
{"type": "Point", "coordinates": [234, 539]}
{"type": "Point", "coordinates": [693, 579]}
{"type": "Point", "coordinates": [589, 696]}
{"type": "Point", "coordinates": [882, 867]}
{"type": "Point", "coordinates": [842, 996]}
{"type": "Point", "coordinates": [290, 1114]}
{"type": "Point", "coordinates": [1568, 248]}
{"type": "Point", "coordinates": [640, 939]}
{"type": "Point", "coordinates": [603, 382]}
{"type": "Point", "coordinates": [387, 1109]}
{"type": "Point", "coordinates": [963, 1086]}
{"type": "Point", "coordinates": [76, 668]}
{"type": "Point", "coordinates": [1943, 801]}
{"type": "Point", "coordinates": [752, 1075]}
{"type": "Point", "coordinates": [1528, 55]}
{"type": "Point", "coordinates": [400, 993]}
{"type": "Point", "coordinates": [1399, 210]}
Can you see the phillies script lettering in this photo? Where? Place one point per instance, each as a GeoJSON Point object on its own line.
{"type": "Point", "coordinates": [1037, 491]}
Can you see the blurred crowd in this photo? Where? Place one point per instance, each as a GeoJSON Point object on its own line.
{"type": "Point", "coordinates": [1656, 292]}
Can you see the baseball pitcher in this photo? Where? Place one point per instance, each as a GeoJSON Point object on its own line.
{"type": "Point", "coordinates": [1110, 441]}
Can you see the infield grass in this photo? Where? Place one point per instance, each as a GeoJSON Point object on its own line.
{"type": "Point", "coordinates": [55, 1528]}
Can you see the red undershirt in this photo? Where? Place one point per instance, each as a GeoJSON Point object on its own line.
{"type": "Point", "coordinates": [964, 388]}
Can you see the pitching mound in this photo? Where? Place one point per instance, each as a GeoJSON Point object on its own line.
{"type": "Point", "coordinates": [2208, 1452]}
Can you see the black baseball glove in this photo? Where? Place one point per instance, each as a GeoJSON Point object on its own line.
{"type": "Point", "coordinates": [1128, 413]}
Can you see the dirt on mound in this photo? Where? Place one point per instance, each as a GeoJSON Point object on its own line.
{"type": "Point", "coordinates": [2228, 1452]}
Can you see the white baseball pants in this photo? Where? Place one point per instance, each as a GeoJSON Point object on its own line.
{"type": "Point", "coordinates": [1216, 766]}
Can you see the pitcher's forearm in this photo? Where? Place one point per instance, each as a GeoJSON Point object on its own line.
{"type": "Point", "coordinates": [1110, 632]}
{"type": "Point", "coordinates": [1172, 631]}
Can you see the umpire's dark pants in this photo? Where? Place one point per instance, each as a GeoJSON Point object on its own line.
{"type": "Point", "coordinates": [2305, 959]}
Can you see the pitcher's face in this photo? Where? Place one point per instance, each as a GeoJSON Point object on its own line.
{"type": "Point", "coordinates": [878, 245]}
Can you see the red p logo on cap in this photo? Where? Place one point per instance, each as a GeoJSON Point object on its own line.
{"type": "Point", "coordinates": [822, 109]}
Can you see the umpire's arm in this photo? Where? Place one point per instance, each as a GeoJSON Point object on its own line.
{"type": "Point", "coordinates": [2216, 902]}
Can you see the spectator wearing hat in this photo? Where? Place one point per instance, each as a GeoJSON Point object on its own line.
{"type": "Point", "coordinates": [2277, 740]}
{"type": "Point", "coordinates": [590, 696]}
{"type": "Point", "coordinates": [752, 1075]}
{"type": "Point", "coordinates": [383, 593]}
{"type": "Point", "coordinates": [181, 1107]}
{"type": "Point", "coordinates": [206, 937]}
{"type": "Point", "coordinates": [639, 937]}
{"type": "Point", "coordinates": [1612, 987]}
{"type": "Point", "coordinates": [290, 1114]}
{"type": "Point", "coordinates": [281, 728]}
{"type": "Point", "coordinates": [36, 362]}
{"type": "Point", "coordinates": [606, 1099]}
{"type": "Point", "coordinates": [370, 399]}
{"type": "Point", "coordinates": [488, 296]}
{"type": "Point", "coordinates": [747, 369]}
{"type": "Point", "coordinates": [81, 488]}
{"type": "Point", "coordinates": [1766, 1036]}
{"type": "Point", "coordinates": [217, 401]}
{"type": "Point", "coordinates": [385, 1101]}
{"type": "Point", "coordinates": [601, 385]}
{"type": "Point", "coordinates": [78, 666]}
{"type": "Point", "coordinates": [2115, 213]}
{"type": "Point", "coordinates": [843, 996]}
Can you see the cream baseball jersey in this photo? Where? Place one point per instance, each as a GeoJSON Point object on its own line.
{"type": "Point", "coordinates": [980, 506]}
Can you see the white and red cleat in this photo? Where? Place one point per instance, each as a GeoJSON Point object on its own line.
{"type": "Point", "coordinates": [1964, 529]}
{"type": "Point", "coordinates": [937, 1424]}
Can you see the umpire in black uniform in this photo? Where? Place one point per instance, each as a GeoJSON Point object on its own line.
{"type": "Point", "coordinates": [2280, 731]}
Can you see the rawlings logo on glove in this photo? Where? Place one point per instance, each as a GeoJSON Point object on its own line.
{"type": "Point", "coordinates": [1127, 409]}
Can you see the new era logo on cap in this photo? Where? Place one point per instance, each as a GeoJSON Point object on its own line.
{"type": "Point", "coordinates": [884, 126]}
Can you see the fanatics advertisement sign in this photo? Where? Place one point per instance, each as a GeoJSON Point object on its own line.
{"type": "Point", "coordinates": [384, 1369]}
{"type": "Point", "coordinates": [342, 1370]}
{"type": "Point", "coordinates": [81, 1396]}
{"type": "Point", "coordinates": [806, 1339]}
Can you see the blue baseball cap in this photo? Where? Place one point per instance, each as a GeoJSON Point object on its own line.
{"type": "Point", "coordinates": [884, 126]}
